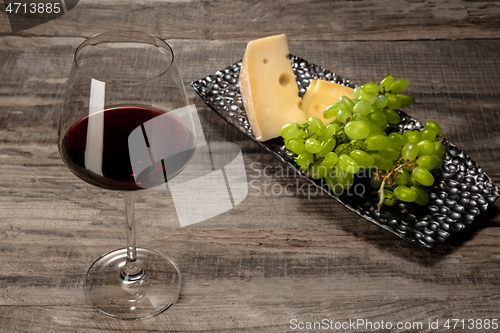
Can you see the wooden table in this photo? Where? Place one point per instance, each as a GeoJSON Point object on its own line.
{"type": "Point", "coordinates": [272, 259]}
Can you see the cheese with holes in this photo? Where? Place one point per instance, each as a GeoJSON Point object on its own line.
{"type": "Point", "coordinates": [321, 94]}
{"type": "Point", "coordinates": [268, 88]}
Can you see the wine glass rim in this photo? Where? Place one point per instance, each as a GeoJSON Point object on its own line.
{"type": "Point", "coordinates": [168, 47]}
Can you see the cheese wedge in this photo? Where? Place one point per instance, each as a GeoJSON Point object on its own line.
{"type": "Point", "coordinates": [321, 94]}
{"type": "Point", "coordinates": [308, 95]}
{"type": "Point", "coordinates": [268, 88]}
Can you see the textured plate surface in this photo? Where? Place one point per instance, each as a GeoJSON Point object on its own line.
{"type": "Point", "coordinates": [461, 190]}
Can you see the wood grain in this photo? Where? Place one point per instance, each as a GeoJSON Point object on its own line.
{"type": "Point", "coordinates": [453, 83]}
{"type": "Point", "coordinates": [274, 257]}
{"type": "Point", "coordinates": [300, 19]}
{"type": "Point", "coordinates": [270, 259]}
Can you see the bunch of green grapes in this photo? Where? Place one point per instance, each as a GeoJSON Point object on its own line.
{"type": "Point", "coordinates": [400, 165]}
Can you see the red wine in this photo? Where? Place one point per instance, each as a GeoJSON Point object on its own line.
{"type": "Point", "coordinates": [116, 171]}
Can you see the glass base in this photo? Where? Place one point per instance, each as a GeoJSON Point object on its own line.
{"type": "Point", "coordinates": [118, 296]}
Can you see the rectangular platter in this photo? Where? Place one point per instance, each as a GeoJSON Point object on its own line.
{"type": "Point", "coordinates": [461, 190]}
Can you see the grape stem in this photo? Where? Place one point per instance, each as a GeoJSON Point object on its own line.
{"type": "Point", "coordinates": [385, 178]}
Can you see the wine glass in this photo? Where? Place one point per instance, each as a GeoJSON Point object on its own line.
{"type": "Point", "coordinates": [126, 126]}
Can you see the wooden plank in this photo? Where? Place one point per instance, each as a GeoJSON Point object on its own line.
{"type": "Point", "coordinates": [454, 82]}
{"type": "Point", "coordinates": [300, 20]}
{"type": "Point", "coordinates": [274, 257]}
{"type": "Point", "coordinates": [254, 268]}
{"type": "Point", "coordinates": [247, 278]}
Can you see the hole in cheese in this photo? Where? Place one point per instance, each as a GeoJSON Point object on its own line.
{"type": "Point", "coordinates": [266, 61]}
{"type": "Point", "coordinates": [286, 79]}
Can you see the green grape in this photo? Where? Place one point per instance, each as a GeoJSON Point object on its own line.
{"type": "Point", "coordinates": [396, 141]}
{"type": "Point", "coordinates": [344, 115]}
{"type": "Point", "coordinates": [369, 97]}
{"type": "Point", "coordinates": [356, 130]}
{"type": "Point", "coordinates": [428, 134]}
{"type": "Point", "coordinates": [332, 111]}
{"type": "Point", "coordinates": [361, 117]}
{"type": "Point", "coordinates": [414, 136]}
{"type": "Point", "coordinates": [425, 147]}
{"type": "Point", "coordinates": [405, 135]}
{"type": "Point", "coordinates": [347, 102]}
{"type": "Point", "coordinates": [427, 161]}
{"type": "Point", "coordinates": [370, 87]}
{"type": "Point", "coordinates": [380, 162]}
{"type": "Point", "coordinates": [423, 176]}
{"type": "Point", "coordinates": [390, 153]}
{"type": "Point", "coordinates": [439, 163]}
{"type": "Point", "coordinates": [402, 177]}
{"type": "Point", "coordinates": [304, 159]}
{"type": "Point", "coordinates": [316, 126]}
{"type": "Point", "coordinates": [404, 193]}
{"type": "Point", "coordinates": [404, 139]}
{"type": "Point", "coordinates": [327, 146]}
{"type": "Point", "coordinates": [295, 146]}
{"type": "Point", "coordinates": [313, 146]}
{"type": "Point", "coordinates": [393, 101]}
{"type": "Point", "coordinates": [378, 118]}
{"type": "Point", "coordinates": [413, 180]}
{"type": "Point", "coordinates": [438, 149]}
{"type": "Point", "coordinates": [345, 178]}
{"type": "Point", "coordinates": [331, 180]}
{"type": "Point", "coordinates": [381, 101]}
{"type": "Point", "coordinates": [391, 116]}
{"type": "Point", "coordinates": [374, 129]}
{"type": "Point", "coordinates": [348, 164]}
{"type": "Point", "coordinates": [377, 142]}
{"type": "Point", "coordinates": [422, 196]}
{"type": "Point", "coordinates": [375, 180]}
{"type": "Point", "coordinates": [358, 91]}
{"type": "Point", "coordinates": [389, 198]}
{"type": "Point", "coordinates": [363, 95]}
{"type": "Point", "coordinates": [406, 100]}
{"type": "Point", "coordinates": [330, 159]}
{"type": "Point", "coordinates": [399, 85]}
{"type": "Point", "coordinates": [331, 129]}
{"type": "Point", "coordinates": [317, 170]}
{"type": "Point", "coordinates": [386, 83]}
{"type": "Point", "coordinates": [329, 143]}
{"type": "Point", "coordinates": [432, 124]}
{"type": "Point", "coordinates": [290, 131]}
{"type": "Point", "coordinates": [363, 159]}
{"type": "Point", "coordinates": [409, 151]}
{"type": "Point", "coordinates": [362, 107]}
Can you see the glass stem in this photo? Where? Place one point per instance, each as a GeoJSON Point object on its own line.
{"type": "Point", "coordinates": [132, 270]}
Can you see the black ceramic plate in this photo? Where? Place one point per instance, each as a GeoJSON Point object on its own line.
{"type": "Point", "coordinates": [461, 190]}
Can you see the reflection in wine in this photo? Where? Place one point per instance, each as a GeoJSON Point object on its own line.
{"type": "Point", "coordinates": [174, 141]}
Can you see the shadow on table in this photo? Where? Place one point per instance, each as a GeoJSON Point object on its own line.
{"type": "Point", "coordinates": [482, 221]}
{"type": "Point", "coordinates": [426, 257]}
{"type": "Point", "coordinates": [433, 256]}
